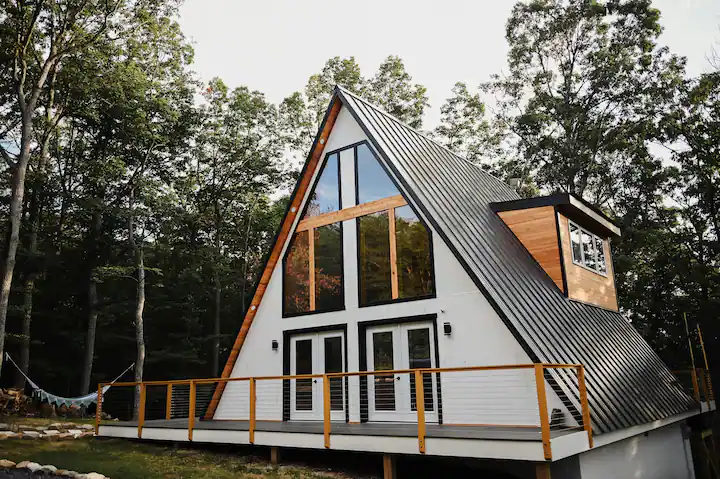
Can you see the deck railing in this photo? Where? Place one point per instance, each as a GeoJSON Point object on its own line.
{"type": "Point", "coordinates": [698, 382]}
{"type": "Point", "coordinates": [482, 396]}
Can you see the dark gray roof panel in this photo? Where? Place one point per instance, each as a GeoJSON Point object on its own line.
{"type": "Point", "coordinates": [628, 384]}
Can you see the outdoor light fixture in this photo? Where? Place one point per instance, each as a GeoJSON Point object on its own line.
{"type": "Point", "coordinates": [274, 345]}
{"type": "Point", "coordinates": [447, 328]}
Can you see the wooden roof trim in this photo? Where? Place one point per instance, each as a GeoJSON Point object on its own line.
{"type": "Point", "coordinates": [285, 229]}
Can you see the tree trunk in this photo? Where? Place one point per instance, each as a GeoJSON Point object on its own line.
{"type": "Point", "coordinates": [216, 319]}
{"type": "Point", "coordinates": [140, 301]}
{"type": "Point", "coordinates": [16, 206]}
{"type": "Point", "coordinates": [92, 302]}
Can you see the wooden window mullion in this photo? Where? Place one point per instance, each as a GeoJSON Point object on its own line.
{"type": "Point", "coordinates": [393, 255]}
{"type": "Point", "coordinates": [311, 266]}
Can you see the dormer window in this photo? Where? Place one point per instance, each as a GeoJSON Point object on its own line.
{"type": "Point", "coordinates": [588, 249]}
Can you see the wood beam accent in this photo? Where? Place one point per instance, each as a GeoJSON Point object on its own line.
{"type": "Point", "coordinates": [311, 266]}
{"type": "Point", "coordinates": [395, 289]}
{"type": "Point", "coordinates": [285, 229]}
{"type": "Point", "coordinates": [376, 206]}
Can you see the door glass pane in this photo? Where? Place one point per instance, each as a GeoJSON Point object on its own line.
{"type": "Point", "coordinates": [413, 255]}
{"type": "Point", "coordinates": [372, 181]}
{"type": "Point", "coordinates": [419, 355]}
{"type": "Point", "coordinates": [326, 194]}
{"type": "Point", "coordinates": [303, 365]}
{"type": "Point", "coordinates": [374, 248]}
{"type": "Point", "coordinates": [297, 275]}
{"type": "Point", "coordinates": [328, 268]}
{"type": "Point", "coordinates": [383, 361]}
{"type": "Point", "coordinates": [334, 364]}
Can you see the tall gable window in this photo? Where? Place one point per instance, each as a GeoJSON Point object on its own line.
{"type": "Point", "coordinates": [312, 279]}
{"type": "Point", "coordinates": [588, 249]}
{"type": "Point", "coordinates": [394, 247]}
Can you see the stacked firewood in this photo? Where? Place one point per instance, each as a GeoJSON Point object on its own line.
{"type": "Point", "coordinates": [14, 401]}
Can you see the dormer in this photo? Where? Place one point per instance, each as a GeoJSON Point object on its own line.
{"type": "Point", "coordinates": [570, 240]}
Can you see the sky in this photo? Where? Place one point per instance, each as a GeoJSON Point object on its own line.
{"type": "Point", "coordinates": [275, 45]}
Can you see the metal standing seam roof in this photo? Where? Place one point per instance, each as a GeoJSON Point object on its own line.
{"type": "Point", "coordinates": [628, 384]}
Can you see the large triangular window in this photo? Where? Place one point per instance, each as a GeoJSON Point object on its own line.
{"type": "Point", "coordinates": [312, 280]}
{"type": "Point", "coordinates": [394, 246]}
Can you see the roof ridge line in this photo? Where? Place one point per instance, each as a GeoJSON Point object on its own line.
{"type": "Point", "coordinates": [405, 125]}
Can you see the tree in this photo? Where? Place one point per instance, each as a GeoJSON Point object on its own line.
{"type": "Point", "coordinates": [586, 82]}
{"type": "Point", "coordinates": [391, 89]}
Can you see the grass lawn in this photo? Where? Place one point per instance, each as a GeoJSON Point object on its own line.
{"type": "Point", "coordinates": [122, 459]}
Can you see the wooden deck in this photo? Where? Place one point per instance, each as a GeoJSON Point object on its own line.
{"type": "Point", "coordinates": [497, 433]}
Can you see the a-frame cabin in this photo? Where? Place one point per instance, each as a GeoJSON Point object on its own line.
{"type": "Point", "coordinates": [414, 304]}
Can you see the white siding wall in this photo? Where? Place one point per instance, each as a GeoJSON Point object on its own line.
{"type": "Point", "coordinates": [478, 337]}
{"type": "Point", "coordinates": [659, 455]}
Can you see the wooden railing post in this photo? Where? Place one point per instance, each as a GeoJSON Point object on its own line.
{"type": "Point", "coordinates": [420, 407]}
{"type": "Point", "coordinates": [584, 404]}
{"type": "Point", "coordinates": [191, 413]}
{"type": "Point", "coordinates": [542, 404]}
{"type": "Point", "coordinates": [168, 402]}
{"type": "Point", "coordinates": [141, 410]}
{"type": "Point", "coordinates": [98, 409]}
{"type": "Point", "coordinates": [696, 387]}
{"type": "Point", "coordinates": [703, 384]}
{"type": "Point", "coordinates": [326, 410]}
{"type": "Point", "coordinates": [253, 397]}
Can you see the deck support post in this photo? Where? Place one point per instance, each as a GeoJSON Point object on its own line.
{"type": "Point", "coordinates": [98, 410]}
{"type": "Point", "coordinates": [389, 469]}
{"type": "Point", "coordinates": [191, 412]}
{"type": "Point", "coordinates": [542, 405]}
{"type": "Point", "coordinates": [168, 402]}
{"type": "Point", "coordinates": [141, 410]}
{"type": "Point", "coordinates": [587, 421]}
{"type": "Point", "coordinates": [542, 470]}
{"type": "Point", "coordinates": [253, 395]}
{"type": "Point", "coordinates": [420, 407]}
{"type": "Point", "coordinates": [274, 455]}
{"type": "Point", "coordinates": [326, 410]}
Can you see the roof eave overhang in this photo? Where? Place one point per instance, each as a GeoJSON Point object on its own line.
{"type": "Point", "coordinates": [570, 205]}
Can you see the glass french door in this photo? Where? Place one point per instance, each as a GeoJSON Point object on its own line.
{"type": "Point", "coordinates": [391, 397]}
{"type": "Point", "coordinates": [316, 353]}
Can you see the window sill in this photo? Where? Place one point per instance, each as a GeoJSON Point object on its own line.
{"type": "Point", "coordinates": [599, 273]}
{"type": "Point", "coordinates": [309, 313]}
{"type": "Point", "coordinates": [399, 300]}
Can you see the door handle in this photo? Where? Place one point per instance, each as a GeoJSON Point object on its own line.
{"type": "Point", "coordinates": [315, 381]}
{"type": "Point", "coordinates": [397, 378]}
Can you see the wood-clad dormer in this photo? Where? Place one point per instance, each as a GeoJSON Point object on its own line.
{"type": "Point", "coordinates": [570, 240]}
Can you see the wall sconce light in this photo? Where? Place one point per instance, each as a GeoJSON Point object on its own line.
{"type": "Point", "coordinates": [274, 345]}
{"type": "Point", "coordinates": [447, 329]}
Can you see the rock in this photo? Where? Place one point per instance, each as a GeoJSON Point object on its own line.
{"type": "Point", "coordinates": [31, 434]}
{"type": "Point", "coordinates": [6, 463]}
{"type": "Point", "coordinates": [87, 427]}
{"type": "Point", "coordinates": [75, 431]}
{"type": "Point", "coordinates": [33, 467]}
{"type": "Point", "coordinates": [25, 427]}
{"type": "Point", "coordinates": [4, 427]}
{"type": "Point", "coordinates": [7, 434]}
{"type": "Point", "coordinates": [48, 468]}
{"type": "Point", "coordinates": [55, 425]}
{"type": "Point", "coordinates": [72, 474]}
{"type": "Point", "coordinates": [39, 428]}
{"type": "Point", "coordinates": [88, 434]}
{"type": "Point", "coordinates": [65, 435]}
{"type": "Point", "coordinates": [22, 464]}
{"type": "Point", "coordinates": [51, 432]}
{"type": "Point", "coordinates": [94, 475]}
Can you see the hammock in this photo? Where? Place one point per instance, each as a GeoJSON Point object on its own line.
{"type": "Point", "coordinates": [58, 400]}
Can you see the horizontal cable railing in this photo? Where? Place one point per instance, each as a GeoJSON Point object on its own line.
{"type": "Point", "coordinates": [501, 397]}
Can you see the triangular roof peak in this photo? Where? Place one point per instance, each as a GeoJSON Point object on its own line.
{"type": "Point", "coordinates": [628, 383]}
